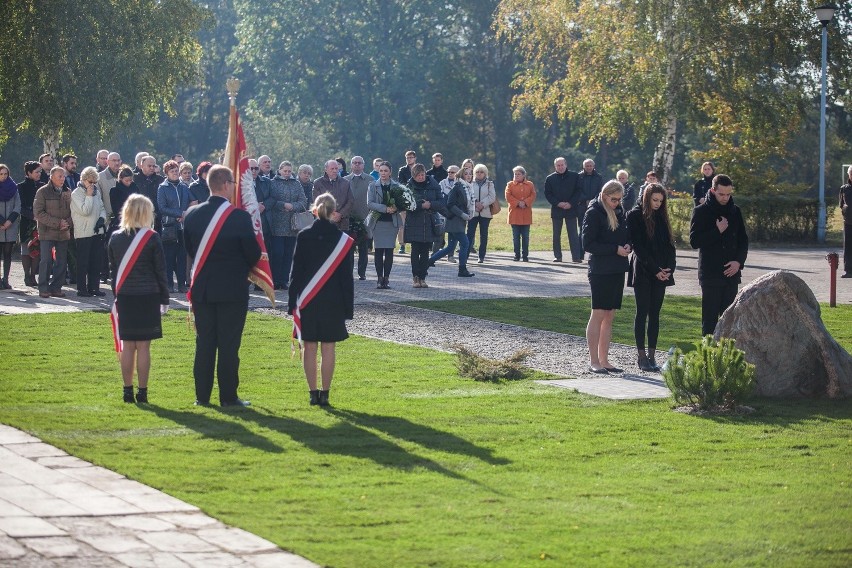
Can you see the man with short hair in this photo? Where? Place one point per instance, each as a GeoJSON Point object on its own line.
{"type": "Point", "coordinates": [137, 160]}
{"type": "Point", "coordinates": [265, 165]}
{"type": "Point", "coordinates": [718, 232]}
{"type": "Point", "coordinates": [338, 187]}
{"type": "Point", "coordinates": [650, 177]}
{"type": "Point", "coordinates": [178, 158]}
{"type": "Point", "coordinates": [359, 184]}
{"type": "Point", "coordinates": [376, 163]}
{"type": "Point", "coordinates": [147, 181]}
{"type": "Point", "coordinates": [219, 291]}
{"type": "Point", "coordinates": [262, 190]}
{"type": "Point", "coordinates": [404, 173]}
{"type": "Point", "coordinates": [52, 211]}
{"type": "Point", "coordinates": [72, 178]}
{"type": "Point", "coordinates": [107, 179]}
{"type": "Point", "coordinates": [591, 182]}
{"type": "Point", "coordinates": [46, 162]}
{"type": "Point", "coordinates": [101, 160]}
{"type": "Point", "coordinates": [562, 190]}
{"type": "Point", "coordinates": [437, 171]}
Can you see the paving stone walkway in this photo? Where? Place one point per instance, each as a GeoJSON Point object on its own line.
{"type": "Point", "coordinates": [60, 511]}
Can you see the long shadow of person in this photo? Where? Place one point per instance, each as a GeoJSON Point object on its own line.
{"type": "Point", "coordinates": [420, 434]}
{"type": "Point", "coordinates": [347, 439]}
{"type": "Point", "coordinates": [215, 428]}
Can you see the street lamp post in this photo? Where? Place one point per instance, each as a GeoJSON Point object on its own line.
{"type": "Point", "coordinates": [825, 14]}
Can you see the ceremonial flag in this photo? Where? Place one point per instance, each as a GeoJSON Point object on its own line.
{"type": "Point", "coordinates": [246, 199]}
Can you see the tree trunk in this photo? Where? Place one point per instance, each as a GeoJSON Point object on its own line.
{"type": "Point", "coordinates": [664, 153]}
{"type": "Point", "coordinates": [50, 141]}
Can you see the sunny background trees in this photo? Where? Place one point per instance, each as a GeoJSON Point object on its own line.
{"type": "Point", "coordinates": [636, 84]}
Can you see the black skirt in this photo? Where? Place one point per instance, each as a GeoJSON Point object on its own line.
{"type": "Point", "coordinates": [324, 324]}
{"type": "Point", "coordinates": [607, 290]}
{"type": "Point", "coordinates": [139, 317]}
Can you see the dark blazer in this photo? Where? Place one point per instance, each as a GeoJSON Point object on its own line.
{"type": "Point", "coordinates": [592, 184]}
{"type": "Point", "coordinates": [148, 275]}
{"type": "Point", "coordinates": [650, 255]}
{"type": "Point", "coordinates": [563, 187]}
{"type": "Point", "coordinates": [716, 249]}
{"type": "Point", "coordinates": [335, 301]}
{"type": "Point", "coordinates": [601, 242]}
{"type": "Point", "coordinates": [224, 277]}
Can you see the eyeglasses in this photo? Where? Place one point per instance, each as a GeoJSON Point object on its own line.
{"type": "Point", "coordinates": [255, 169]}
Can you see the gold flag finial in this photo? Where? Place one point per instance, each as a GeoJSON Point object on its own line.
{"type": "Point", "coordinates": [233, 86]}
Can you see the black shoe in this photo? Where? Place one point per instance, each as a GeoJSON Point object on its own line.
{"type": "Point", "coordinates": [465, 274]}
{"type": "Point", "coordinates": [480, 261]}
{"type": "Point", "coordinates": [315, 399]}
{"type": "Point", "coordinates": [431, 264]}
{"type": "Point", "coordinates": [598, 371]}
{"type": "Point", "coordinates": [142, 396]}
{"type": "Point", "coordinates": [238, 403]}
{"type": "Point", "coordinates": [361, 277]}
{"type": "Point", "coordinates": [199, 403]}
{"type": "Point", "coordinates": [614, 370]}
{"type": "Point", "coordinates": [525, 259]}
{"type": "Point", "coordinates": [644, 364]}
{"type": "Point", "coordinates": [654, 367]}
{"type": "Point", "coordinates": [847, 275]}
{"type": "Point", "coordinates": [556, 260]}
{"type": "Point", "coordinates": [386, 285]}
{"type": "Point", "coordinates": [517, 258]}
{"type": "Point", "coordinates": [128, 394]}
{"type": "Point", "coordinates": [84, 295]}
{"type": "Point", "coordinates": [380, 284]}
{"type": "Point", "coordinates": [98, 293]}
{"type": "Point", "coordinates": [323, 398]}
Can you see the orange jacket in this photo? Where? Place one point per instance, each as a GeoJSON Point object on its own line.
{"type": "Point", "coordinates": [516, 192]}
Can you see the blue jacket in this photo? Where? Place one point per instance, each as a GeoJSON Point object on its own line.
{"type": "Point", "coordinates": [172, 200]}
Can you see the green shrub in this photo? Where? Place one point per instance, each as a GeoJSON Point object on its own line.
{"type": "Point", "coordinates": [479, 368]}
{"type": "Point", "coordinates": [715, 375]}
{"type": "Point", "coordinates": [768, 218]}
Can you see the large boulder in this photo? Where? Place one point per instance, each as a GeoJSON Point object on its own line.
{"type": "Point", "coordinates": [776, 321]}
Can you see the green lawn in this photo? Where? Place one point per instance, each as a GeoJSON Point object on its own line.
{"type": "Point", "coordinates": [680, 318]}
{"type": "Point", "coordinates": [415, 466]}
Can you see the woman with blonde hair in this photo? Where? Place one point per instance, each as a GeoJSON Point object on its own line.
{"type": "Point", "coordinates": [138, 275]}
{"type": "Point", "coordinates": [606, 238]}
{"type": "Point", "coordinates": [520, 195]}
{"type": "Point", "coordinates": [322, 294]}
{"type": "Point", "coordinates": [482, 190]}
{"type": "Point", "coordinates": [89, 216]}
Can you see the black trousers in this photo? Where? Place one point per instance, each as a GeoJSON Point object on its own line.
{"type": "Point", "coordinates": [89, 257]}
{"type": "Point", "coordinates": [847, 248]}
{"type": "Point", "coordinates": [420, 253]}
{"type": "Point", "coordinates": [649, 302]}
{"type": "Point", "coordinates": [571, 227]}
{"type": "Point", "coordinates": [363, 247]}
{"type": "Point", "coordinates": [383, 260]}
{"type": "Point", "coordinates": [715, 299]}
{"type": "Point", "coordinates": [219, 328]}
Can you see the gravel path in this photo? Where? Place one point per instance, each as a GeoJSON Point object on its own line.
{"type": "Point", "coordinates": [555, 353]}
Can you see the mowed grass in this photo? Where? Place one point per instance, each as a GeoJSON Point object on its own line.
{"type": "Point", "coordinates": [541, 231]}
{"type": "Point", "coordinates": [680, 318]}
{"type": "Point", "coordinates": [415, 466]}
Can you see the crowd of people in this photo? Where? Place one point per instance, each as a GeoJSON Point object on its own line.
{"type": "Point", "coordinates": [79, 228]}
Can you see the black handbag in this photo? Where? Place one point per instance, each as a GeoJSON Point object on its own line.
{"type": "Point", "coordinates": [439, 224]}
{"type": "Point", "coordinates": [170, 233]}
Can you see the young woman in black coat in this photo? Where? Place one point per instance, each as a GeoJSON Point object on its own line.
{"type": "Point", "coordinates": [605, 238]}
{"type": "Point", "coordinates": [323, 318]}
{"type": "Point", "coordinates": [845, 201]}
{"type": "Point", "coordinates": [702, 186]}
{"type": "Point", "coordinates": [651, 268]}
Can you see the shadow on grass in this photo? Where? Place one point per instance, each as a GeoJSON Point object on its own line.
{"type": "Point", "coordinates": [782, 413]}
{"type": "Point", "coordinates": [419, 434]}
{"type": "Point", "coordinates": [347, 439]}
{"type": "Point", "coordinates": [215, 429]}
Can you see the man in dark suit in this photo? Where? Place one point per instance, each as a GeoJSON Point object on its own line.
{"type": "Point", "coordinates": [561, 188]}
{"type": "Point", "coordinates": [220, 289]}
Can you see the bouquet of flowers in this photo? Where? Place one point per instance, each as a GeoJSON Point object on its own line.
{"type": "Point", "coordinates": [400, 197]}
{"type": "Point", "coordinates": [357, 229]}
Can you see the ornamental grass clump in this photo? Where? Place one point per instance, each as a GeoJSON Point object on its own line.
{"type": "Point", "coordinates": [714, 376]}
{"type": "Point", "coordinates": [479, 368]}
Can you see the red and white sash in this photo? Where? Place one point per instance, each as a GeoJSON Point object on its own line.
{"type": "Point", "coordinates": [128, 261]}
{"type": "Point", "coordinates": [316, 283]}
{"type": "Point", "coordinates": [206, 243]}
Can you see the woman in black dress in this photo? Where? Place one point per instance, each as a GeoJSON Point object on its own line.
{"type": "Point", "coordinates": [651, 268]}
{"type": "Point", "coordinates": [845, 201]}
{"type": "Point", "coordinates": [605, 238]}
{"type": "Point", "coordinates": [143, 295]}
{"type": "Point", "coordinates": [321, 308]}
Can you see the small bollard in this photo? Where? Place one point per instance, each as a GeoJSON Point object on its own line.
{"type": "Point", "coordinates": [833, 261]}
